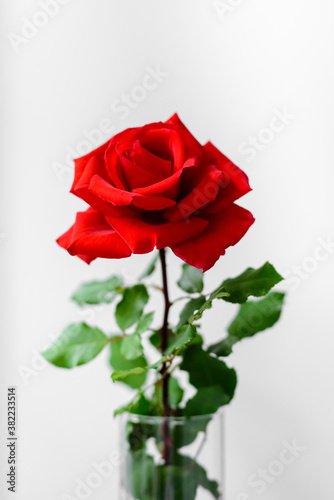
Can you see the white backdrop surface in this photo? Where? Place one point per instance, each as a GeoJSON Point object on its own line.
{"type": "Point", "coordinates": [74, 73]}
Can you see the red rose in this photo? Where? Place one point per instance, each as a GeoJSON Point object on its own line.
{"type": "Point", "coordinates": [154, 187]}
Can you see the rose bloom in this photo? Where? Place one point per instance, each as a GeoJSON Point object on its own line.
{"type": "Point", "coordinates": [154, 187]}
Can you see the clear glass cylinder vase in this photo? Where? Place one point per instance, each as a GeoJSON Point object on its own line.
{"type": "Point", "coordinates": [172, 458]}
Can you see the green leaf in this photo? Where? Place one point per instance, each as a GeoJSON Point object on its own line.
{"type": "Point", "coordinates": [191, 280]}
{"type": "Point", "coordinates": [141, 407]}
{"type": "Point", "coordinates": [155, 339]}
{"type": "Point", "coordinates": [147, 481]}
{"type": "Point", "coordinates": [253, 317]}
{"type": "Point", "coordinates": [77, 345]}
{"type": "Point", "coordinates": [255, 282]}
{"type": "Point", "coordinates": [207, 371]}
{"type": "Point", "coordinates": [150, 269]}
{"type": "Point", "coordinates": [123, 409]}
{"type": "Point", "coordinates": [189, 309]}
{"type": "Point", "coordinates": [200, 474]}
{"type": "Point", "coordinates": [175, 393]}
{"type": "Point", "coordinates": [118, 362]}
{"type": "Point", "coordinates": [172, 481]}
{"type": "Point", "coordinates": [138, 405]}
{"type": "Point", "coordinates": [183, 435]}
{"type": "Point", "coordinates": [139, 475]}
{"type": "Point", "coordinates": [206, 401]}
{"type": "Point", "coordinates": [217, 294]}
{"type": "Point", "coordinates": [124, 374]}
{"type": "Point", "coordinates": [185, 335]}
{"type": "Point", "coordinates": [136, 370]}
{"type": "Point", "coordinates": [98, 292]}
{"type": "Point", "coordinates": [131, 347]}
{"type": "Point", "coordinates": [178, 340]}
{"type": "Point", "coordinates": [251, 282]}
{"type": "Point", "coordinates": [224, 347]}
{"type": "Point", "coordinates": [145, 322]}
{"type": "Point", "coordinates": [130, 308]}
{"type": "Point", "coordinates": [138, 433]}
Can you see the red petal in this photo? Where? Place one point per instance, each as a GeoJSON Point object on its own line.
{"type": "Point", "coordinates": [95, 166]}
{"type": "Point", "coordinates": [65, 239]}
{"type": "Point", "coordinates": [116, 146]}
{"type": "Point", "coordinates": [205, 191]}
{"type": "Point", "coordinates": [225, 229]}
{"type": "Point", "coordinates": [235, 184]}
{"type": "Point", "coordinates": [150, 162]}
{"type": "Point", "coordinates": [148, 202]}
{"type": "Point", "coordinates": [136, 176]}
{"type": "Point", "coordinates": [164, 143]}
{"type": "Point", "coordinates": [91, 237]}
{"type": "Point", "coordinates": [143, 237]}
{"type": "Point", "coordinates": [170, 186]}
{"type": "Point", "coordinates": [114, 167]}
{"type": "Point", "coordinates": [108, 193]}
{"type": "Point", "coordinates": [132, 136]}
{"type": "Point", "coordinates": [81, 163]}
{"type": "Point", "coordinates": [190, 143]}
{"type": "Point", "coordinates": [119, 137]}
{"type": "Point", "coordinates": [160, 187]}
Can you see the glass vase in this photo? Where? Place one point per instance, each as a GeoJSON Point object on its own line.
{"type": "Point", "coordinates": [172, 458]}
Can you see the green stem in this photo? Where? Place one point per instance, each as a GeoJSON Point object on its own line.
{"type": "Point", "coordinates": [164, 373]}
{"type": "Point", "coordinates": [164, 332]}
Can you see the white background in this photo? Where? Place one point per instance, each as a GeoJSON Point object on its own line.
{"type": "Point", "coordinates": [227, 74]}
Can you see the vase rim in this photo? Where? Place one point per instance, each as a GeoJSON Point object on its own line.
{"type": "Point", "coordinates": [172, 418]}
